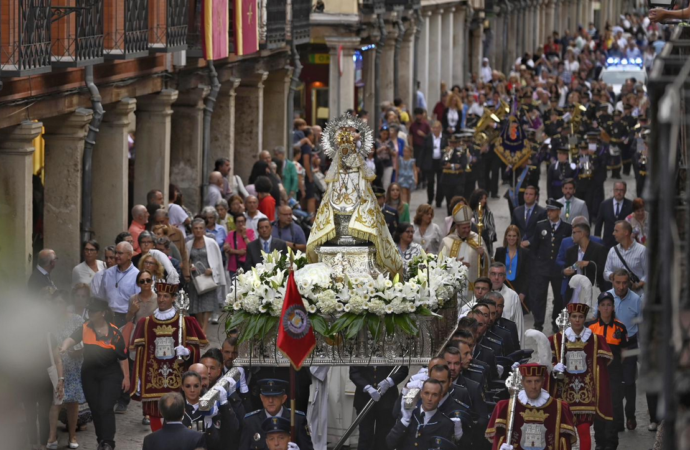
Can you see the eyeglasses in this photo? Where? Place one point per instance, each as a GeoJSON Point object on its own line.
{"type": "Point", "coordinates": [146, 242]}
{"type": "Point", "coordinates": [90, 250]}
{"type": "Point", "coordinates": [145, 281]}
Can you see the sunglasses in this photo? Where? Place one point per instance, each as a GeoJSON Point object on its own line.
{"type": "Point", "coordinates": [145, 281]}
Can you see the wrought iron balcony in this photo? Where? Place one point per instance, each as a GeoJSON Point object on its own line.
{"type": "Point", "coordinates": [126, 29]}
{"type": "Point", "coordinates": [77, 33]}
{"type": "Point", "coordinates": [373, 6]}
{"type": "Point", "coordinates": [301, 31]}
{"type": "Point", "coordinates": [24, 37]}
{"type": "Point", "coordinates": [276, 17]}
{"type": "Point", "coordinates": [397, 5]}
{"type": "Point", "coordinates": [168, 21]}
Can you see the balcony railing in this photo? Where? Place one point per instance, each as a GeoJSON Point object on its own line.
{"type": "Point", "coordinates": [301, 31]}
{"type": "Point", "coordinates": [275, 23]}
{"type": "Point", "coordinates": [397, 5]}
{"type": "Point", "coordinates": [373, 6]}
{"type": "Point", "coordinates": [168, 23]}
{"type": "Point", "coordinates": [24, 37]}
{"type": "Point", "coordinates": [126, 29]}
{"type": "Point", "coordinates": [78, 37]}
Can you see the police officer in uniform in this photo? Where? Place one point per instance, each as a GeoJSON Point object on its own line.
{"type": "Point", "coordinates": [630, 148]}
{"type": "Point", "coordinates": [379, 384]}
{"type": "Point", "coordinates": [454, 162]}
{"type": "Point", "coordinates": [640, 159]}
{"type": "Point", "coordinates": [277, 432]}
{"type": "Point", "coordinates": [544, 247]}
{"type": "Point", "coordinates": [592, 173]}
{"type": "Point", "coordinates": [560, 171]}
{"type": "Point", "coordinates": [273, 396]}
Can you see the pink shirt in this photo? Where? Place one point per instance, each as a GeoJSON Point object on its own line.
{"type": "Point", "coordinates": [135, 230]}
{"type": "Point", "coordinates": [236, 261]}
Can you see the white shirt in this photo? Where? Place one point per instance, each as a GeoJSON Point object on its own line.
{"type": "Point", "coordinates": [253, 222]}
{"type": "Point", "coordinates": [177, 217]}
{"type": "Point", "coordinates": [427, 415]}
{"type": "Point", "coordinates": [82, 273]}
{"type": "Point", "coordinates": [453, 118]}
{"type": "Point", "coordinates": [437, 147]}
{"type": "Point", "coordinates": [617, 206]}
{"type": "Point", "coordinates": [580, 257]}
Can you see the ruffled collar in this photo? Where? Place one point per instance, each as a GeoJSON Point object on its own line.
{"type": "Point", "coordinates": [572, 337]}
{"type": "Point", "coordinates": [164, 315]}
{"type": "Point", "coordinates": [538, 402]}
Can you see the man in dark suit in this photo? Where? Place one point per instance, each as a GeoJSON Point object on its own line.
{"type": "Point", "coordinates": [544, 248]}
{"type": "Point", "coordinates": [567, 243]}
{"type": "Point", "coordinates": [415, 428]}
{"type": "Point", "coordinates": [390, 214]}
{"type": "Point", "coordinates": [526, 216]}
{"type": "Point", "coordinates": [266, 242]}
{"type": "Point", "coordinates": [40, 276]}
{"type": "Point", "coordinates": [611, 211]}
{"type": "Point", "coordinates": [588, 256]}
{"type": "Point", "coordinates": [174, 435]}
{"type": "Point", "coordinates": [430, 161]}
{"type": "Point", "coordinates": [377, 383]}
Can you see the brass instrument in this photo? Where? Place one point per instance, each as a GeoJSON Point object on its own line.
{"type": "Point", "coordinates": [586, 165]}
{"type": "Point", "coordinates": [562, 321]}
{"type": "Point", "coordinates": [485, 131]}
{"type": "Point", "coordinates": [447, 154]}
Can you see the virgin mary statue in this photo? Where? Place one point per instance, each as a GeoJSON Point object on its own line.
{"type": "Point", "coordinates": [349, 214]}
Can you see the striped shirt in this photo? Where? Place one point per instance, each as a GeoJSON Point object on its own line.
{"type": "Point", "coordinates": [635, 257]}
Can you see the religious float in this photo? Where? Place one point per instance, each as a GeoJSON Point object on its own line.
{"type": "Point", "coordinates": [364, 308]}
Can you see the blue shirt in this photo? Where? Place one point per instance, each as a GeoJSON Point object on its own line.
{"type": "Point", "coordinates": [219, 234]}
{"type": "Point", "coordinates": [566, 243]}
{"type": "Point", "coordinates": [628, 310]}
{"type": "Point", "coordinates": [117, 287]}
{"type": "Point", "coordinates": [293, 234]}
{"type": "Point", "coordinates": [511, 266]}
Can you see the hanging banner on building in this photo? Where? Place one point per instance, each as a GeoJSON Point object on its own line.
{"type": "Point", "coordinates": [246, 27]}
{"type": "Point", "coordinates": [214, 29]}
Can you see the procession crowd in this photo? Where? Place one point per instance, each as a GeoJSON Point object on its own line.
{"type": "Point", "coordinates": [119, 335]}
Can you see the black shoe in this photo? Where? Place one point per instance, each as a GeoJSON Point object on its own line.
{"type": "Point", "coordinates": [495, 196]}
{"type": "Point", "coordinates": [439, 205]}
{"type": "Point", "coordinates": [146, 421]}
{"type": "Point", "coordinates": [120, 408]}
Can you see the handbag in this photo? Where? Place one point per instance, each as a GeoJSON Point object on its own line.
{"type": "Point", "coordinates": [53, 374]}
{"type": "Point", "coordinates": [633, 278]}
{"type": "Point", "coordinates": [202, 282]}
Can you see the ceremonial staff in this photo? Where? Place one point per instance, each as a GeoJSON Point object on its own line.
{"type": "Point", "coordinates": [480, 228]}
{"type": "Point", "coordinates": [562, 322]}
{"type": "Point", "coordinates": [514, 384]}
{"type": "Point", "coordinates": [182, 307]}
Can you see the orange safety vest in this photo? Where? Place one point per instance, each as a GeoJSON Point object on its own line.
{"type": "Point", "coordinates": [615, 334]}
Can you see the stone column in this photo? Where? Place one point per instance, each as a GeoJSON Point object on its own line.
{"type": "Point", "coordinates": [187, 146]}
{"type": "Point", "coordinates": [341, 87]}
{"type": "Point", "coordinates": [459, 46]}
{"type": "Point", "coordinates": [111, 171]}
{"type": "Point", "coordinates": [16, 197]}
{"type": "Point", "coordinates": [447, 47]}
{"type": "Point", "coordinates": [249, 123]}
{"type": "Point", "coordinates": [62, 208]}
{"type": "Point", "coordinates": [511, 49]}
{"type": "Point", "coordinates": [435, 39]}
{"type": "Point", "coordinates": [423, 59]}
{"type": "Point", "coordinates": [476, 63]}
{"type": "Point", "coordinates": [549, 12]}
{"type": "Point", "coordinates": [369, 78]}
{"type": "Point", "coordinates": [152, 161]}
{"type": "Point", "coordinates": [406, 67]}
{"type": "Point", "coordinates": [276, 91]}
{"type": "Point", "coordinates": [223, 124]}
{"type": "Point", "coordinates": [387, 82]}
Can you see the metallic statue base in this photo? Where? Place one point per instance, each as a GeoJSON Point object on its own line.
{"type": "Point", "coordinates": [350, 260]}
{"type": "Point", "coordinates": [397, 349]}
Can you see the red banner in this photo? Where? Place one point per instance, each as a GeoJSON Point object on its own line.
{"type": "Point", "coordinates": [295, 334]}
{"type": "Point", "coordinates": [246, 27]}
{"type": "Point", "coordinates": [214, 29]}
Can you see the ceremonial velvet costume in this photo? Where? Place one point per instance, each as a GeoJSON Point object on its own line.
{"type": "Point", "coordinates": [586, 383]}
{"type": "Point", "coordinates": [550, 426]}
{"type": "Point", "coordinates": [541, 423]}
{"type": "Point", "coordinates": [157, 370]}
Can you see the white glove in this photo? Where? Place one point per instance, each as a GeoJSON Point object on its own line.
{"type": "Point", "coordinates": [423, 374]}
{"type": "Point", "coordinates": [244, 388]}
{"type": "Point", "coordinates": [232, 386]}
{"type": "Point", "coordinates": [414, 384]}
{"type": "Point", "coordinates": [500, 370]}
{"type": "Point", "coordinates": [506, 447]}
{"type": "Point", "coordinates": [222, 394]}
{"type": "Point", "coordinates": [559, 368]}
{"type": "Point", "coordinates": [406, 414]}
{"type": "Point", "coordinates": [293, 446]}
{"type": "Point", "coordinates": [181, 350]}
{"type": "Point", "coordinates": [458, 427]}
{"type": "Point", "coordinates": [385, 385]}
{"type": "Point", "coordinates": [515, 366]}
{"type": "Point", "coordinates": [373, 393]}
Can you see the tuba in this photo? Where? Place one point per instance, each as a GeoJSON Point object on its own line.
{"type": "Point", "coordinates": [485, 130]}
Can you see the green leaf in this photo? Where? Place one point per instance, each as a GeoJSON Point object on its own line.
{"type": "Point", "coordinates": [390, 324]}
{"type": "Point", "coordinates": [374, 325]}
{"type": "Point", "coordinates": [235, 320]}
{"type": "Point", "coordinates": [411, 326]}
{"type": "Point", "coordinates": [424, 311]}
{"type": "Point", "coordinates": [355, 327]}
{"type": "Point", "coordinates": [248, 333]}
{"type": "Point", "coordinates": [319, 324]}
{"type": "Point", "coordinates": [270, 323]}
{"type": "Point", "coordinates": [343, 322]}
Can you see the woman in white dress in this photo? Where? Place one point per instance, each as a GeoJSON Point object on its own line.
{"type": "Point", "coordinates": [85, 271]}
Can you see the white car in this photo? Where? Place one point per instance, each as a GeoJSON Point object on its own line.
{"type": "Point", "coordinates": [615, 74]}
